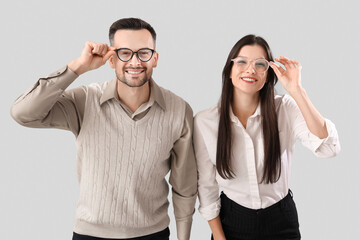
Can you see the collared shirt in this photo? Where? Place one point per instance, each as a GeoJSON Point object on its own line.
{"type": "Point", "coordinates": [155, 96]}
{"type": "Point", "coordinates": [247, 158]}
{"type": "Point", "coordinates": [48, 105]}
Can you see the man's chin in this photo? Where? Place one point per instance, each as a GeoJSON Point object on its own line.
{"type": "Point", "coordinates": [134, 84]}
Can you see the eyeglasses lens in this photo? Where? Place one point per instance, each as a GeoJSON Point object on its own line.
{"type": "Point", "coordinates": [125, 55]}
{"type": "Point", "coordinates": [260, 65]}
{"type": "Point", "coordinates": [144, 55]}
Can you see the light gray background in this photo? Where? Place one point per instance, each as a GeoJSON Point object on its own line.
{"type": "Point", "coordinates": [38, 184]}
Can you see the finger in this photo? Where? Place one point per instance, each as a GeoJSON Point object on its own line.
{"type": "Point", "coordinates": [282, 70]}
{"type": "Point", "coordinates": [280, 60]}
{"type": "Point", "coordinates": [286, 62]}
{"type": "Point", "coordinates": [108, 55]}
{"type": "Point", "coordinates": [101, 49]}
{"type": "Point", "coordinates": [292, 62]}
{"type": "Point", "coordinates": [105, 49]}
{"type": "Point", "coordinates": [272, 64]}
{"type": "Point", "coordinates": [297, 64]}
{"type": "Point", "coordinates": [284, 58]}
{"type": "Point", "coordinates": [97, 49]}
{"type": "Point", "coordinates": [94, 48]}
{"type": "Point", "coordinates": [89, 47]}
{"type": "Point", "coordinates": [277, 69]}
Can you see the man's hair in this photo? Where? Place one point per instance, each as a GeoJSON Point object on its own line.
{"type": "Point", "coordinates": [130, 24]}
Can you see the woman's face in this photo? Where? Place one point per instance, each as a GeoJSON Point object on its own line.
{"type": "Point", "coordinates": [247, 79]}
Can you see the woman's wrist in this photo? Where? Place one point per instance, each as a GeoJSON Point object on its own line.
{"type": "Point", "coordinates": [219, 237]}
{"type": "Point", "coordinates": [297, 92]}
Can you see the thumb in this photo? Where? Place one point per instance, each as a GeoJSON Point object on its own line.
{"type": "Point", "coordinates": [276, 70]}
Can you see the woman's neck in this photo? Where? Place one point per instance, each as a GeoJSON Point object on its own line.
{"type": "Point", "coordinates": [244, 105]}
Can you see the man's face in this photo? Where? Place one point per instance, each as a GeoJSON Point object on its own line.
{"type": "Point", "coordinates": [133, 73]}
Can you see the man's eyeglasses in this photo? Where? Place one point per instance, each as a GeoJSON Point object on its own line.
{"type": "Point", "coordinates": [260, 65]}
{"type": "Point", "coordinates": [143, 54]}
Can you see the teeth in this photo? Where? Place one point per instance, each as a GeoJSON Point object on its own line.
{"type": "Point", "coordinates": [132, 72]}
{"type": "Point", "coordinates": [249, 79]}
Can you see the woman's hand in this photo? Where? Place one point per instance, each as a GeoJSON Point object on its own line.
{"type": "Point", "coordinates": [216, 228]}
{"type": "Point", "coordinates": [290, 77]}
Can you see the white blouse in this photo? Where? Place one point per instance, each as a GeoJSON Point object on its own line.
{"type": "Point", "coordinates": [248, 156]}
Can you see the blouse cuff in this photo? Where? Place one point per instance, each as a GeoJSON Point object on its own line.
{"type": "Point", "coordinates": [211, 211]}
{"type": "Point", "coordinates": [331, 140]}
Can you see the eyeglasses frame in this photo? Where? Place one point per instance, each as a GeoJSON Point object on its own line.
{"type": "Point", "coordinates": [137, 55]}
{"type": "Point", "coordinates": [253, 61]}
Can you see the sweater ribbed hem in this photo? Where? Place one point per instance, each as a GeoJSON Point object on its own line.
{"type": "Point", "coordinates": [110, 231]}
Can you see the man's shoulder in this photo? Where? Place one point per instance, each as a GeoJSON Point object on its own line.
{"type": "Point", "coordinates": [95, 88]}
{"type": "Point", "coordinates": [99, 86]}
{"type": "Point", "coordinates": [168, 93]}
{"type": "Point", "coordinates": [172, 100]}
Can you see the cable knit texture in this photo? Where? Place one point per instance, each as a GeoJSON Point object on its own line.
{"type": "Point", "coordinates": [125, 195]}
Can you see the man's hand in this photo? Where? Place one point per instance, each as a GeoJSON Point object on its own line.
{"type": "Point", "coordinates": [93, 56]}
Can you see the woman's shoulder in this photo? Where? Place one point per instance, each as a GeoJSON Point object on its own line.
{"type": "Point", "coordinates": [208, 113]}
{"type": "Point", "coordinates": [207, 117]}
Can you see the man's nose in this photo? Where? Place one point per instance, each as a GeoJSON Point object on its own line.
{"type": "Point", "coordinates": [134, 60]}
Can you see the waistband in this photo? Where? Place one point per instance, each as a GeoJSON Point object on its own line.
{"type": "Point", "coordinates": [228, 203]}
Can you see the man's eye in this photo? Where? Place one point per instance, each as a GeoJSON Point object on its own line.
{"type": "Point", "coordinates": [144, 53]}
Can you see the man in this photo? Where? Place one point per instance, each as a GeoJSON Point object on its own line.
{"type": "Point", "coordinates": [129, 133]}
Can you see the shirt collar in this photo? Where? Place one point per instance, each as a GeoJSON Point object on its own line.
{"type": "Point", "coordinates": [109, 92]}
{"type": "Point", "coordinates": [257, 111]}
{"type": "Point", "coordinates": [156, 95]}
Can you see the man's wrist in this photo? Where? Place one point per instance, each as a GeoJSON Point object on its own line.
{"type": "Point", "coordinates": [76, 67]}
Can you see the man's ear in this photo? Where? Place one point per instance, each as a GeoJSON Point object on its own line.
{"type": "Point", "coordinates": [155, 59]}
{"type": "Point", "coordinates": [112, 62]}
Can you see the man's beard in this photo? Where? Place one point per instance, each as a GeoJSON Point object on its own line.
{"type": "Point", "coordinates": [124, 80]}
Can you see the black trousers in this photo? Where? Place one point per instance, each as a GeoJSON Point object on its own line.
{"type": "Point", "coordinates": [162, 235]}
{"type": "Point", "coordinates": [277, 222]}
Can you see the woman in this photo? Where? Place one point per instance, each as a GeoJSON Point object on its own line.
{"type": "Point", "coordinates": [244, 145]}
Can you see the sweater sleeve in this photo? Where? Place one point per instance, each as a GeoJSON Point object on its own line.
{"type": "Point", "coordinates": [183, 178]}
{"type": "Point", "coordinates": [48, 105]}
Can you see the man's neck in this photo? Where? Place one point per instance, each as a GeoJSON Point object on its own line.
{"type": "Point", "coordinates": [133, 97]}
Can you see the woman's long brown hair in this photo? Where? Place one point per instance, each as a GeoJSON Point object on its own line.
{"type": "Point", "coordinates": [272, 161]}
